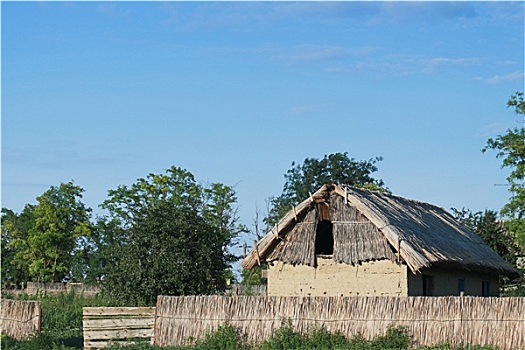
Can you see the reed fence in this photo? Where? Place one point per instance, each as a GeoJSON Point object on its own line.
{"type": "Point", "coordinates": [430, 320]}
{"type": "Point", "coordinates": [20, 319]}
{"type": "Point", "coordinates": [104, 326]}
{"type": "Point", "coordinates": [33, 287]}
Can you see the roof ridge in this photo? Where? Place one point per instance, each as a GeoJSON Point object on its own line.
{"type": "Point", "coordinates": [390, 194]}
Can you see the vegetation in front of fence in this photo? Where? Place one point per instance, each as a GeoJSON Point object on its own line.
{"type": "Point", "coordinates": [62, 330]}
{"type": "Point", "coordinates": [61, 320]}
{"type": "Point", "coordinates": [227, 337]}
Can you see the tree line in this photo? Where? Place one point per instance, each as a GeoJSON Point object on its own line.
{"type": "Point", "coordinates": [164, 234]}
{"type": "Point", "coordinates": [169, 234]}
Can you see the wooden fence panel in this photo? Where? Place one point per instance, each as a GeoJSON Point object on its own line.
{"type": "Point", "coordinates": [55, 288]}
{"type": "Point", "coordinates": [104, 326]}
{"type": "Point", "coordinates": [430, 320]}
{"type": "Point", "coordinates": [20, 319]}
{"type": "Point", "coordinates": [35, 287]}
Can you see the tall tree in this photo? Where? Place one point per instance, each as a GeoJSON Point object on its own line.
{"type": "Point", "coordinates": [173, 237]}
{"type": "Point", "coordinates": [126, 204]}
{"type": "Point", "coordinates": [169, 250]}
{"type": "Point", "coordinates": [91, 254]}
{"type": "Point", "coordinates": [511, 148]}
{"type": "Point", "coordinates": [60, 218]}
{"type": "Point", "coordinates": [15, 232]}
{"type": "Point", "coordinates": [304, 178]}
{"type": "Point", "coordinates": [44, 236]}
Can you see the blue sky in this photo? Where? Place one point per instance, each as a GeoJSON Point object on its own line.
{"type": "Point", "coordinates": [103, 93]}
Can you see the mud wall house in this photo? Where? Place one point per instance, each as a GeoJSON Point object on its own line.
{"type": "Point", "coordinates": [350, 242]}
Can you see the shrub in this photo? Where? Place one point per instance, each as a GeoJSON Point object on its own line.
{"type": "Point", "coordinates": [395, 338]}
{"type": "Point", "coordinates": [41, 341]}
{"type": "Point", "coordinates": [224, 338]}
{"type": "Point", "coordinates": [321, 338]}
{"type": "Point", "coordinates": [284, 338]}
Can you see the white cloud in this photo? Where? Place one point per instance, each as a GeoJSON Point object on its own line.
{"type": "Point", "coordinates": [113, 10]}
{"type": "Point", "coordinates": [492, 129]}
{"type": "Point", "coordinates": [514, 76]}
{"type": "Point", "coordinates": [383, 69]}
{"type": "Point", "coordinates": [303, 110]}
{"type": "Point", "coordinates": [428, 11]}
{"type": "Point", "coordinates": [401, 65]}
{"type": "Point", "coordinates": [506, 63]}
{"type": "Point", "coordinates": [226, 50]}
{"type": "Point", "coordinates": [433, 64]}
{"type": "Point", "coordinates": [324, 52]}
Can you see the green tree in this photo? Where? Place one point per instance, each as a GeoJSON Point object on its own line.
{"type": "Point", "coordinates": [178, 186]}
{"type": "Point", "coordinates": [15, 232]}
{"type": "Point", "coordinates": [510, 148]}
{"type": "Point", "coordinates": [169, 250]}
{"type": "Point", "coordinates": [60, 219]}
{"type": "Point", "coordinates": [41, 241]}
{"type": "Point", "coordinates": [91, 254]}
{"type": "Point", "coordinates": [172, 237]}
{"type": "Point", "coordinates": [308, 177]}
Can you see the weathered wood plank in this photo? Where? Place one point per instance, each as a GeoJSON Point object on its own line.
{"type": "Point", "coordinates": [118, 311]}
{"type": "Point", "coordinates": [102, 323]}
{"type": "Point", "coordinates": [97, 344]}
{"type": "Point", "coordinates": [118, 334]}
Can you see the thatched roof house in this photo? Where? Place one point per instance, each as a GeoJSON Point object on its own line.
{"type": "Point", "coordinates": [341, 231]}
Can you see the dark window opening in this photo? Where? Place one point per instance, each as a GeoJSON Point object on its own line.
{"type": "Point", "coordinates": [428, 285]}
{"type": "Point", "coordinates": [324, 238]}
{"type": "Point", "coordinates": [485, 288]}
{"type": "Point", "coordinates": [461, 286]}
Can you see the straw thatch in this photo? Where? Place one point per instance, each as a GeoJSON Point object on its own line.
{"type": "Point", "coordinates": [374, 225]}
{"type": "Point", "coordinates": [453, 320]}
{"type": "Point", "coordinates": [356, 239]}
{"type": "Point", "coordinates": [299, 245]}
{"type": "Point", "coordinates": [20, 319]}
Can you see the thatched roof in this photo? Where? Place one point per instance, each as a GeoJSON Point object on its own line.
{"type": "Point", "coordinates": [374, 225]}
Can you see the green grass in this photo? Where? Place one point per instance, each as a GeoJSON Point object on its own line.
{"type": "Point", "coordinates": [61, 321]}
{"type": "Point", "coordinates": [62, 330]}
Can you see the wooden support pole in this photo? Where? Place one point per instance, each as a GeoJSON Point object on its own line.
{"type": "Point", "coordinates": [398, 249]}
{"type": "Point", "coordinates": [257, 253]}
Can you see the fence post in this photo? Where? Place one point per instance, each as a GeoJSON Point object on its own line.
{"type": "Point", "coordinates": [39, 317]}
{"type": "Point", "coordinates": [461, 311]}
